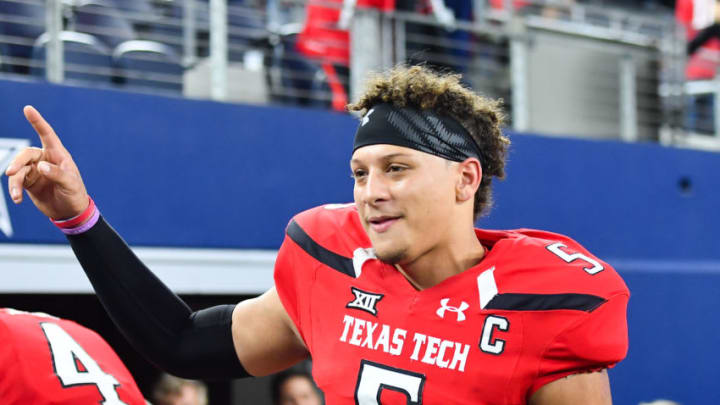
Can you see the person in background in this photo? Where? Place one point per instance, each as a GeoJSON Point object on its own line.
{"type": "Point", "coordinates": [171, 390]}
{"type": "Point", "coordinates": [325, 37]}
{"type": "Point", "coordinates": [294, 387]}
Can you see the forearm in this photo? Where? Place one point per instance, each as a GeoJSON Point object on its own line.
{"type": "Point", "coordinates": [155, 320]}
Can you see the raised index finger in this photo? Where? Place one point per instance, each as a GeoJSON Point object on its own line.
{"type": "Point", "coordinates": [48, 137]}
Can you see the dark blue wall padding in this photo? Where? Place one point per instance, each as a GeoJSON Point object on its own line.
{"type": "Point", "coordinates": [174, 172]}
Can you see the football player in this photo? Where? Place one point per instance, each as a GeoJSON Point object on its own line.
{"type": "Point", "coordinates": [397, 298]}
{"type": "Point", "coordinates": [47, 360]}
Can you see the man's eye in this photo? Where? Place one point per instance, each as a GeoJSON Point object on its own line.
{"type": "Point", "coordinates": [396, 168]}
{"type": "Point", "coordinates": [357, 174]}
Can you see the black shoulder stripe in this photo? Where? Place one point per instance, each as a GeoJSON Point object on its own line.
{"type": "Point", "coordinates": [331, 259]}
{"type": "Point", "coordinates": [543, 302]}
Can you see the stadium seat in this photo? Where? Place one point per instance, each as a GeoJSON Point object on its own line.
{"type": "Point", "coordinates": [148, 64]}
{"type": "Point", "coordinates": [87, 60]}
{"type": "Point", "coordinates": [22, 23]}
{"type": "Point", "coordinates": [250, 19]}
{"type": "Point", "coordinates": [146, 16]}
{"type": "Point", "coordinates": [166, 26]}
{"type": "Point", "coordinates": [102, 20]}
{"type": "Point", "coordinates": [140, 7]}
{"type": "Point", "coordinates": [246, 26]}
{"type": "Point", "coordinates": [246, 29]}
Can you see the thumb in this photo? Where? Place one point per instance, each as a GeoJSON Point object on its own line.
{"type": "Point", "coordinates": [55, 174]}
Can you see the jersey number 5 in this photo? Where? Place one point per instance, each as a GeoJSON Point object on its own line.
{"type": "Point", "coordinates": [66, 352]}
{"type": "Point", "coordinates": [571, 257]}
{"type": "Point", "coordinates": [374, 378]}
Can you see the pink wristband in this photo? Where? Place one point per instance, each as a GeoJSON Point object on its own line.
{"type": "Point", "coordinates": [77, 220]}
{"type": "Point", "coordinates": [84, 227]}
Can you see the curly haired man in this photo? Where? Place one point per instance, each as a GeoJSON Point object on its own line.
{"type": "Point", "coordinates": [397, 298]}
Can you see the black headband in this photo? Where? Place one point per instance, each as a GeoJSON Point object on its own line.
{"type": "Point", "coordinates": [422, 130]}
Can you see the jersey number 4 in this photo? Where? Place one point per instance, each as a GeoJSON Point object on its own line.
{"type": "Point", "coordinates": [571, 257]}
{"type": "Point", "coordinates": [66, 352]}
{"type": "Point", "coordinates": [374, 377]}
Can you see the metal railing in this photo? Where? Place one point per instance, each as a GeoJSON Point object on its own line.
{"type": "Point", "coordinates": [561, 67]}
{"type": "Point", "coordinates": [567, 73]}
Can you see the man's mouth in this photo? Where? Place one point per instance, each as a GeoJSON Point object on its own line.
{"type": "Point", "coordinates": [381, 224]}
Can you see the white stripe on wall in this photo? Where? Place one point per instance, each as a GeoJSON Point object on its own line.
{"type": "Point", "coordinates": [29, 268]}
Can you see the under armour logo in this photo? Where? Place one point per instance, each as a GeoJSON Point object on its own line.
{"type": "Point", "coordinates": [459, 310]}
{"type": "Point", "coordinates": [364, 301]}
{"type": "Point", "coordinates": [366, 118]}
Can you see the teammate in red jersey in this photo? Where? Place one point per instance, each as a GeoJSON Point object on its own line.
{"type": "Point", "coordinates": [397, 298]}
{"type": "Point", "coordinates": [48, 360]}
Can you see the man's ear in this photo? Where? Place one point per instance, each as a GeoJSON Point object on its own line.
{"type": "Point", "coordinates": [469, 178]}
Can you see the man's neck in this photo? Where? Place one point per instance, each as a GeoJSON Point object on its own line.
{"type": "Point", "coordinates": [443, 262]}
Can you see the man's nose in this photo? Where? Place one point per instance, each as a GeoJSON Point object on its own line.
{"type": "Point", "coordinates": [376, 188]}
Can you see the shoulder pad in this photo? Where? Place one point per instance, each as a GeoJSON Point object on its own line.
{"type": "Point", "coordinates": [539, 262]}
{"type": "Point", "coordinates": [335, 227]}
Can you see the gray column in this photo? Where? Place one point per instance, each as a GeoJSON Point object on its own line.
{"type": "Point", "coordinates": [218, 49]}
{"type": "Point", "coordinates": [54, 63]}
{"type": "Point", "coordinates": [479, 11]}
{"type": "Point", "coordinates": [386, 32]}
{"type": "Point", "coordinates": [519, 75]}
{"type": "Point", "coordinates": [365, 48]}
{"type": "Point", "coordinates": [400, 41]}
{"type": "Point", "coordinates": [189, 34]}
{"type": "Point", "coordinates": [628, 100]}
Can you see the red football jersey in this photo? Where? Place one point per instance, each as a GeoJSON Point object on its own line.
{"type": "Point", "coordinates": [48, 360]}
{"type": "Point", "coordinates": [538, 307]}
{"type": "Point", "coordinates": [321, 38]}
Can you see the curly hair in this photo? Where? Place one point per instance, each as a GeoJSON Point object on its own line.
{"type": "Point", "coordinates": [421, 88]}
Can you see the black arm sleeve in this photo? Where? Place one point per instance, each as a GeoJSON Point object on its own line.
{"type": "Point", "coordinates": [155, 320]}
